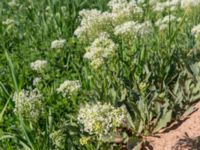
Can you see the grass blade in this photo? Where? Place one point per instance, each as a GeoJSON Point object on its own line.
{"type": "Point", "coordinates": [25, 133]}
{"type": "Point", "coordinates": [13, 73]}
{"type": "Point", "coordinates": [3, 111]}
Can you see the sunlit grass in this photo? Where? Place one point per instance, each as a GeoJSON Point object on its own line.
{"type": "Point", "coordinates": [155, 78]}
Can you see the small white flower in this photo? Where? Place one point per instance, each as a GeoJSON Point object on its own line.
{"type": "Point", "coordinates": [93, 22]}
{"type": "Point", "coordinates": [28, 104]}
{"type": "Point", "coordinates": [159, 7]}
{"type": "Point", "coordinates": [58, 44]}
{"type": "Point", "coordinates": [69, 87]}
{"type": "Point", "coordinates": [36, 81]}
{"type": "Point", "coordinates": [102, 119]}
{"type": "Point", "coordinates": [58, 139]}
{"type": "Point", "coordinates": [152, 2]}
{"type": "Point", "coordinates": [101, 48]}
{"type": "Point", "coordinates": [189, 3]}
{"type": "Point", "coordinates": [163, 27]}
{"type": "Point", "coordinates": [168, 19]}
{"type": "Point", "coordinates": [123, 10]}
{"type": "Point", "coordinates": [133, 29]}
{"type": "Point", "coordinates": [38, 65]}
{"type": "Point", "coordinates": [125, 28]}
{"type": "Point", "coordinates": [196, 30]}
{"type": "Point", "coordinates": [170, 4]}
{"type": "Point", "coordinates": [9, 22]}
{"type": "Point", "coordinates": [96, 63]}
{"type": "Point", "coordinates": [163, 23]}
{"type": "Point", "coordinates": [13, 3]}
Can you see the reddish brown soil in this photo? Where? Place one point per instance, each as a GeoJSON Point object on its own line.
{"type": "Point", "coordinates": [179, 136]}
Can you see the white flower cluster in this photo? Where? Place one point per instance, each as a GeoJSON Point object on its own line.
{"type": "Point", "coordinates": [13, 3]}
{"type": "Point", "coordinates": [28, 104]}
{"type": "Point", "coordinates": [38, 65]}
{"type": "Point", "coordinates": [92, 24]}
{"type": "Point", "coordinates": [123, 10]}
{"type": "Point", "coordinates": [121, 21]}
{"type": "Point", "coordinates": [189, 3]}
{"type": "Point", "coordinates": [169, 4]}
{"type": "Point", "coordinates": [96, 26]}
{"type": "Point", "coordinates": [69, 87]}
{"type": "Point", "coordinates": [36, 81]}
{"type": "Point", "coordinates": [101, 48]}
{"type": "Point", "coordinates": [173, 4]}
{"type": "Point", "coordinates": [196, 31]}
{"type": "Point", "coordinates": [163, 23]}
{"type": "Point", "coordinates": [58, 44]}
{"type": "Point", "coordinates": [102, 120]}
{"type": "Point", "coordinates": [9, 22]}
{"type": "Point", "coordinates": [58, 139]}
{"type": "Point", "coordinates": [133, 29]}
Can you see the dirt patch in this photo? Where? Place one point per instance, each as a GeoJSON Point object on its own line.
{"type": "Point", "coordinates": [179, 136]}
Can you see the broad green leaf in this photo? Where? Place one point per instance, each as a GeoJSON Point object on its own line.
{"type": "Point", "coordinates": [163, 121]}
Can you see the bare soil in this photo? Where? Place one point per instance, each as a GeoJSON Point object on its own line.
{"type": "Point", "coordinates": [180, 135]}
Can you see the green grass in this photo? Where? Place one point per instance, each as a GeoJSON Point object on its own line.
{"type": "Point", "coordinates": [166, 64]}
